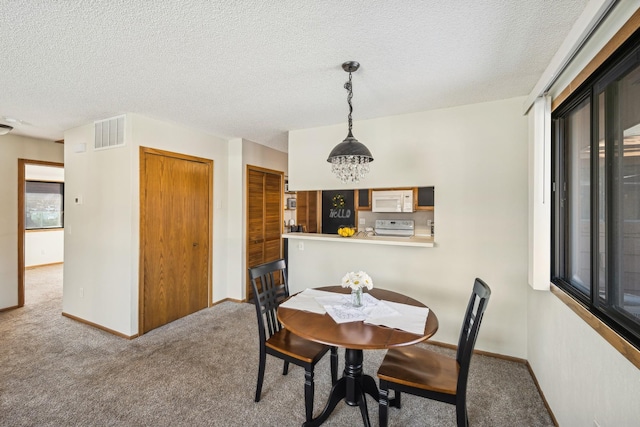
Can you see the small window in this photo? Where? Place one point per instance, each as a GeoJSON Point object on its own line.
{"type": "Point", "coordinates": [44, 205]}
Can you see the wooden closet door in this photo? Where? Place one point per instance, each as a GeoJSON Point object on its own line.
{"type": "Point", "coordinates": [255, 218]}
{"type": "Point", "coordinates": [272, 217]}
{"type": "Point", "coordinates": [175, 236]}
{"type": "Point", "coordinates": [264, 218]}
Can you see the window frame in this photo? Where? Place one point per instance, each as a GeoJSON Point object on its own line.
{"type": "Point", "coordinates": [626, 58]}
{"type": "Point", "coordinates": [26, 212]}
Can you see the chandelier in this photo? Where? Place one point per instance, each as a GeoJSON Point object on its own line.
{"type": "Point", "coordinates": [350, 159]}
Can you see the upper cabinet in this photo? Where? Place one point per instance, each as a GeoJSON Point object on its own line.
{"type": "Point", "coordinates": [307, 210]}
{"type": "Point", "coordinates": [363, 199]}
{"type": "Point", "coordinates": [423, 198]}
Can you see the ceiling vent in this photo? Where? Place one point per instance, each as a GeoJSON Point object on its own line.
{"type": "Point", "coordinates": [109, 133]}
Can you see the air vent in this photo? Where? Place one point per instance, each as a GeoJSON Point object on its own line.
{"type": "Point", "coordinates": [109, 133]}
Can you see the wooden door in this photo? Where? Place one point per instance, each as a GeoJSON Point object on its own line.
{"type": "Point", "coordinates": [175, 218]}
{"type": "Point", "coordinates": [264, 218]}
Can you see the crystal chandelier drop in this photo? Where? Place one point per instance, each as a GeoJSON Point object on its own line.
{"type": "Point", "coordinates": [350, 159]}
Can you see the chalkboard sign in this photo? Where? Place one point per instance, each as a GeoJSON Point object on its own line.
{"type": "Point", "coordinates": [338, 209]}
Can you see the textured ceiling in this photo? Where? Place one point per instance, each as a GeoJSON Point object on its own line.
{"type": "Point", "coordinates": [256, 69]}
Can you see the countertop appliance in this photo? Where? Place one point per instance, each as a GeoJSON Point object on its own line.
{"type": "Point", "coordinates": [392, 201]}
{"type": "Point", "coordinates": [395, 227]}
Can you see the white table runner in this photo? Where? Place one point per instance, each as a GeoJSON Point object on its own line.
{"type": "Point", "coordinates": [375, 312]}
{"type": "Point", "coordinates": [409, 318]}
{"type": "Point", "coordinates": [306, 301]}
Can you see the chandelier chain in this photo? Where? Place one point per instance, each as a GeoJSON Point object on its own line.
{"type": "Point", "coordinates": [349, 87]}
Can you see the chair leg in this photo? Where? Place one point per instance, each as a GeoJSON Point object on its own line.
{"type": "Point", "coordinates": [461, 413]}
{"type": "Point", "coordinates": [398, 401]}
{"type": "Point", "coordinates": [383, 404]}
{"type": "Point", "coordinates": [285, 368]}
{"type": "Point", "coordinates": [308, 393]}
{"type": "Point", "coordinates": [263, 357]}
{"type": "Point", "coordinates": [334, 365]}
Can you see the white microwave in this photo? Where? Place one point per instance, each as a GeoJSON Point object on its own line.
{"type": "Point", "coordinates": [392, 201]}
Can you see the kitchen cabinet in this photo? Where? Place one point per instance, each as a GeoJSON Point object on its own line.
{"type": "Point", "coordinates": [363, 199]}
{"type": "Point", "coordinates": [307, 210]}
{"type": "Point", "coordinates": [424, 198]}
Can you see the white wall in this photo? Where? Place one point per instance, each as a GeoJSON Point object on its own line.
{"type": "Point", "coordinates": [102, 234]}
{"type": "Point", "coordinates": [476, 157]}
{"type": "Point", "coordinates": [12, 148]}
{"type": "Point", "coordinates": [99, 255]}
{"type": "Point", "coordinates": [236, 249]}
{"type": "Point", "coordinates": [44, 173]}
{"type": "Point", "coordinates": [42, 247]}
{"type": "Point", "coordinates": [581, 375]}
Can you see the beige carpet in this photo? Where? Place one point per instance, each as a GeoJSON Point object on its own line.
{"type": "Point", "coordinates": [200, 371]}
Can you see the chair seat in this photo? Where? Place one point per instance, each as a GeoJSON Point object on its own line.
{"type": "Point", "coordinates": [294, 346]}
{"type": "Point", "coordinates": [420, 368]}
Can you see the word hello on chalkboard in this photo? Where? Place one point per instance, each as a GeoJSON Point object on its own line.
{"type": "Point", "coordinates": [338, 209]}
{"type": "Point", "coordinates": [340, 213]}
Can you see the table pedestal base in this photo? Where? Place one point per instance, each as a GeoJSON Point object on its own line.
{"type": "Point", "coordinates": [352, 387]}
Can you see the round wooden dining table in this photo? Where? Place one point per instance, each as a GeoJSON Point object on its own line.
{"type": "Point", "coordinates": [354, 337]}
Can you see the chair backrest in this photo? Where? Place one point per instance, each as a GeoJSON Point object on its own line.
{"type": "Point", "coordinates": [269, 283]}
{"type": "Point", "coordinates": [470, 327]}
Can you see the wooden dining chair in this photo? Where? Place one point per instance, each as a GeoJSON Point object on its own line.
{"type": "Point", "coordinates": [270, 288]}
{"type": "Point", "coordinates": [424, 373]}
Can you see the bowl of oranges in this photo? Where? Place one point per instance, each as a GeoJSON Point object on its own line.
{"type": "Point", "coordinates": [346, 230]}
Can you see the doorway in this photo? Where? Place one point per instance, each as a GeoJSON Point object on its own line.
{"type": "Point", "coordinates": [42, 172]}
{"type": "Point", "coordinates": [175, 236]}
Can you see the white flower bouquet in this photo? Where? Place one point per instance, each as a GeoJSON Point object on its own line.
{"type": "Point", "coordinates": [357, 281]}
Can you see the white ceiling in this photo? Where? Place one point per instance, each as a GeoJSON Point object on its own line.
{"type": "Point", "coordinates": [256, 69]}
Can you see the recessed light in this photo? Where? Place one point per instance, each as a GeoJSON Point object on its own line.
{"type": "Point", "coordinates": [10, 119]}
{"type": "Point", "coordinates": [5, 129]}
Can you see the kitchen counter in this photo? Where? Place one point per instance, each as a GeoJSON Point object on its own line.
{"type": "Point", "coordinates": [416, 241]}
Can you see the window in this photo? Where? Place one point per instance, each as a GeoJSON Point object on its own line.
{"type": "Point", "coordinates": [44, 205]}
{"type": "Point", "coordinates": [596, 210]}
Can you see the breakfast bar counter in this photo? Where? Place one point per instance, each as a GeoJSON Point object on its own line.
{"type": "Point", "coordinates": [416, 241]}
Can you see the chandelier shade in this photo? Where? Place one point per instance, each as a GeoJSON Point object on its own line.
{"type": "Point", "coordinates": [350, 147]}
{"type": "Point", "coordinates": [350, 159]}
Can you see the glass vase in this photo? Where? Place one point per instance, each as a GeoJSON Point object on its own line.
{"type": "Point", "coordinates": [356, 297]}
